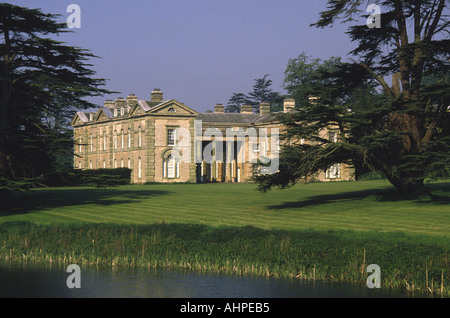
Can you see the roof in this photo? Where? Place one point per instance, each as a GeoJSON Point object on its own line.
{"type": "Point", "coordinates": [236, 118]}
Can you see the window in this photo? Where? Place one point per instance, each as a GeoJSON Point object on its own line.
{"type": "Point", "coordinates": [139, 137]}
{"type": "Point", "coordinates": [121, 163]}
{"type": "Point", "coordinates": [172, 110]}
{"type": "Point", "coordinates": [171, 168]}
{"type": "Point", "coordinates": [79, 164]}
{"type": "Point", "coordinates": [122, 137]}
{"type": "Point", "coordinates": [81, 141]}
{"type": "Point", "coordinates": [115, 163]}
{"type": "Point", "coordinates": [332, 136]}
{"type": "Point", "coordinates": [255, 147]}
{"type": "Point", "coordinates": [91, 143]}
{"type": "Point", "coordinates": [90, 165]}
{"type": "Point", "coordinates": [129, 163]}
{"type": "Point", "coordinates": [129, 138]}
{"type": "Point", "coordinates": [115, 139]}
{"type": "Point", "coordinates": [122, 111]}
{"type": "Point", "coordinates": [333, 172]}
{"type": "Point", "coordinates": [171, 136]}
{"type": "Point", "coordinates": [104, 164]}
{"type": "Point", "coordinates": [104, 140]}
{"type": "Point", "coordinates": [139, 168]}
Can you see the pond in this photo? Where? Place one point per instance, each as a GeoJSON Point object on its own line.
{"type": "Point", "coordinates": [45, 281]}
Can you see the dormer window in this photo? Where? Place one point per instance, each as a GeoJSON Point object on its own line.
{"type": "Point", "coordinates": [122, 111]}
{"type": "Point", "coordinates": [115, 112]}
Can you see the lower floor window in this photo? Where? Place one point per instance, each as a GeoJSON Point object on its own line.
{"type": "Point", "coordinates": [334, 171]}
{"type": "Point", "coordinates": [171, 168]}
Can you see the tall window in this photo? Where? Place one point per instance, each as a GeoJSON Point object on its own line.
{"type": "Point", "coordinates": [171, 136]}
{"type": "Point", "coordinates": [171, 168]}
{"type": "Point", "coordinates": [90, 164]}
{"type": "Point", "coordinates": [129, 138]}
{"type": "Point", "coordinates": [91, 144]}
{"type": "Point", "coordinates": [104, 140]}
{"type": "Point", "coordinates": [121, 163]}
{"type": "Point", "coordinates": [139, 168]}
{"type": "Point", "coordinates": [115, 139]}
{"type": "Point", "coordinates": [104, 164]}
{"type": "Point", "coordinates": [139, 137]}
{"type": "Point", "coordinates": [115, 163]}
{"type": "Point", "coordinates": [129, 163]}
{"type": "Point", "coordinates": [122, 141]}
{"type": "Point", "coordinates": [81, 141]}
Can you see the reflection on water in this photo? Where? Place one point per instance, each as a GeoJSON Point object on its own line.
{"type": "Point", "coordinates": [50, 281]}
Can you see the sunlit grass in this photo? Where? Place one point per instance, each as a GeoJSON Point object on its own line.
{"type": "Point", "coordinates": [358, 206]}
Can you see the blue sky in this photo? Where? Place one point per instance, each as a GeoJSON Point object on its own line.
{"type": "Point", "coordinates": [196, 51]}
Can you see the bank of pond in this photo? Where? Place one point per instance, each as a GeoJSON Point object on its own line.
{"type": "Point", "coordinates": [412, 264]}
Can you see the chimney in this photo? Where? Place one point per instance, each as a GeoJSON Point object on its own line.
{"type": "Point", "coordinates": [131, 99]}
{"type": "Point", "coordinates": [219, 109]}
{"type": "Point", "coordinates": [121, 102]}
{"type": "Point", "coordinates": [264, 109]}
{"type": "Point", "coordinates": [289, 104]}
{"type": "Point", "coordinates": [109, 103]}
{"type": "Point", "coordinates": [313, 100]}
{"type": "Point", "coordinates": [157, 95]}
{"type": "Point", "coordinates": [246, 109]}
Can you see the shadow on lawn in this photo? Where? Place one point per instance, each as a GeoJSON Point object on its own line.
{"type": "Point", "coordinates": [440, 191]}
{"type": "Point", "coordinates": [53, 198]}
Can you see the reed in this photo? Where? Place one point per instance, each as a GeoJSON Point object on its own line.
{"type": "Point", "coordinates": [406, 262]}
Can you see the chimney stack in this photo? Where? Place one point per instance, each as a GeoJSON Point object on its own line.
{"type": "Point", "coordinates": [246, 109]}
{"type": "Point", "coordinates": [132, 99]}
{"type": "Point", "coordinates": [264, 109]}
{"type": "Point", "coordinates": [109, 103]}
{"type": "Point", "coordinates": [219, 109]}
{"type": "Point", "coordinates": [289, 104]}
{"type": "Point", "coordinates": [121, 102]}
{"type": "Point", "coordinates": [156, 95]}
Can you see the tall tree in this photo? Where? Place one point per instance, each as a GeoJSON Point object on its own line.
{"type": "Point", "coordinates": [262, 93]}
{"type": "Point", "coordinates": [40, 78]}
{"type": "Point", "coordinates": [404, 132]}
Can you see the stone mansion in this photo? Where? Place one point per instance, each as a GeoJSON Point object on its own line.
{"type": "Point", "coordinates": [166, 141]}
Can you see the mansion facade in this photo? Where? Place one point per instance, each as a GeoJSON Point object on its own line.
{"type": "Point", "coordinates": [166, 141]}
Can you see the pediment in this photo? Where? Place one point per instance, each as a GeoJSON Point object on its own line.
{"type": "Point", "coordinates": [79, 119]}
{"type": "Point", "coordinates": [102, 115]}
{"type": "Point", "coordinates": [172, 107]}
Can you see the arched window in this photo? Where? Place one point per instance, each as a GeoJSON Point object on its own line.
{"type": "Point", "coordinates": [171, 168]}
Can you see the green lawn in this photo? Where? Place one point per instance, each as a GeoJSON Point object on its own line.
{"type": "Point", "coordinates": [359, 206]}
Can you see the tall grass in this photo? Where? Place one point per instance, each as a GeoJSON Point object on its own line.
{"type": "Point", "coordinates": [405, 261]}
